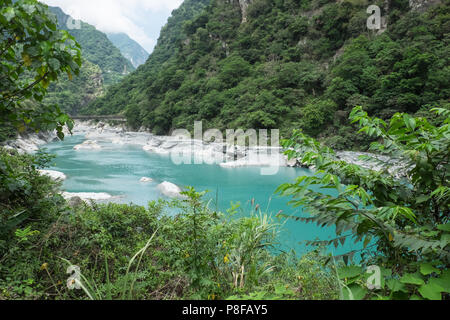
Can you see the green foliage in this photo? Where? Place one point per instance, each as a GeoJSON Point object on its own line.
{"type": "Point", "coordinates": [317, 114]}
{"type": "Point", "coordinates": [419, 282]}
{"type": "Point", "coordinates": [96, 48]}
{"type": "Point", "coordinates": [406, 221]}
{"type": "Point", "coordinates": [130, 252]}
{"type": "Point", "coordinates": [219, 253]}
{"type": "Point", "coordinates": [124, 287]}
{"type": "Point", "coordinates": [33, 53]}
{"type": "Point", "coordinates": [73, 94]}
{"type": "Point", "coordinates": [306, 279]}
{"type": "Point", "coordinates": [24, 193]}
{"type": "Point", "coordinates": [232, 70]}
{"type": "Point", "coordinates": [25, 234]}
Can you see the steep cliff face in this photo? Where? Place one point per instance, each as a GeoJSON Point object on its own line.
{"type": "Point", "coordinates": [72, 95]}
{"type": "Point", "coordinates": [244, 6]}
{"type": "Point", "coordinates": [93, 88]}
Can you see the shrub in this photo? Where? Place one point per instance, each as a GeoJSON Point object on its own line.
{"type": "Point", "coordinates": [24, 193]}
{"type": "Point", "coordinates": [172, 250]}
{"type": "Point", "coordinates": [405, 221]}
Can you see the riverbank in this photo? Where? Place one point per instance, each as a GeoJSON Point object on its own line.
{"type": "Point", "coordinates": [217, 152]}
{"type": "Point", "coordinates": [186, 149]}
{"type": "Point", "coordinates": [29, 142]}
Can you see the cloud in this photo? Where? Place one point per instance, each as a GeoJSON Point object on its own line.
{"type": "Point", "coordinates": [140, 19]}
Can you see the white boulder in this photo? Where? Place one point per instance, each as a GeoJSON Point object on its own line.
{"type": "Point", "coordinates": [157, 150]}
{"type": "Point", "coordinates": [55, 175]}
{"type": "Point", "coordinates": [25, 146]}
{"type": "Point", "coordinates": [170, 190]}
{"type": "Point", "coordinates": [87, 196]}
{"type": "Point", "coordinates": [88, 145]}
{"type": "Point", "coordinates": [291, 163]}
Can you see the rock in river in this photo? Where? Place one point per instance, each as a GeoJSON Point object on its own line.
{"type": "Point", "coordinates": [85, 196]}
{"type": "Point", "coordinates": [88, 145]}
{"type": "Point", "coordinates": [55, 175]}
{"type": "Point", "coordinates": [170, 190]}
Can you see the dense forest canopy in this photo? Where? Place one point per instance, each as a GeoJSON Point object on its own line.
{"type": "Point", "coordinates": [288, 64]}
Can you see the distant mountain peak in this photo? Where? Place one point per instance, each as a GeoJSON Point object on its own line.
{"type": "Point", "coordinates": [96, 47]}
{"type": "Point", "coordinates": [129, 48]}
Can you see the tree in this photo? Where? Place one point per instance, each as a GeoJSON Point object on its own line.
{"type": "Point", "coordinates": [314, 116]}
{"type": "Point", "coordinates": [406, 221]}
{"type": "Point", "coordinates": [33, 53]}
{"type": "Point", "coordinates": [233, 69]}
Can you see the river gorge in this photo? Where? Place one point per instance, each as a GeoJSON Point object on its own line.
{"type": "Point", "coordinates": [110, 164]}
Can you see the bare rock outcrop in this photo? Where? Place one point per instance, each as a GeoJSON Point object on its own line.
{"type": "Point", "coordinates": [422, 5]}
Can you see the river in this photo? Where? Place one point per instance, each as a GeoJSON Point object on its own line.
{"type": "Point", "coordinates": [117, 170]}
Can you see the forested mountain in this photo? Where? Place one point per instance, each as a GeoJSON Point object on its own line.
{"type": "Point", "coordinates": [129, 48]}
{"type": "Point", "coordinates": [132, 92]}
{"type": "Point", "coordinates": [96, 47]}
{"type": "Point", "coordinates": [103, 65]}
{"type": "Point", "coordinates": [288, 64]}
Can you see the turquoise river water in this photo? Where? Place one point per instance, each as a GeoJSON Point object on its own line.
{"type": "Point", "coordinates": [117, 169]}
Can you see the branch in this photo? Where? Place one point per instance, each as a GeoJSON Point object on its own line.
{"type": "Point", "coordinates": [18, 92]}
{"type": "Point", "coordinates": [8, 45]}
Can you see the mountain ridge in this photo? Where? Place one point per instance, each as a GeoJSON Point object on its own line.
{"type": "Point", "coordinates": [95, 46]}
{"type": "Point", "coordinates": [103, 65]}
{"type": "Point", "coordinates": [129, 48]}
{"type": "Point", "coordinates": [133, 92]}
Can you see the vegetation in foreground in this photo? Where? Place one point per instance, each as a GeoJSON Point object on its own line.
{"type": "Point", "coordinates": [130, 252]}
{"type": "Point", "coordinates": [406, 221]}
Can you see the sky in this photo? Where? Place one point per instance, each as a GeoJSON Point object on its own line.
{"type": "Point", "coordinates": [141, 20]}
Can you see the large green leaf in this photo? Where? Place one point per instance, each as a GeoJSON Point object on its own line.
{"type": "Point", "coordinates": [9, 14]}
{"type": "Point", "coordinates": [443, 281]}
{"type": "Point", "coordinates": [422, 199]}
{"type": "Point", "coordinates": [354, 292]}
{"type": "Point", "coordinates": [427, 268]}
{"type": "Point", "coordinates": [431, 291]}
{"type": "Point", "coordinates": [349, 272]}
{"type": "Point", "coordinates": [54, 64]}
{"type": "Point", "coordinates": [444, 227]}
{"type": "Point", "coordinates": [395, 285]}
{"type": "Point", "coordinates": [412, 278]}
